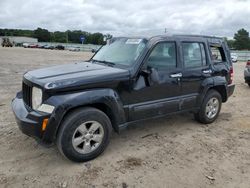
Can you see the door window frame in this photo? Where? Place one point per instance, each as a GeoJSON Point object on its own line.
{"type": "Point", "coordinates": [205, 50]}
{"type": "Point", "coordinates": [210, 45]}
{"type": "Point", "coordinates": [178, 64]}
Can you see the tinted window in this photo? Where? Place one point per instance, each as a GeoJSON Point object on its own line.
{"type": "Point", "coordinates": [193, 54]}
{"type": "Point", "coordinates": [163, 56]}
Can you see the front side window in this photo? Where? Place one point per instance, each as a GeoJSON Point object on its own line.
{"type": "Point", "coordinates": [163, 56]}
{"type": "Point", "coordinates": [123, 51]}
{"type": "Point", "coordinates": [193, 54]}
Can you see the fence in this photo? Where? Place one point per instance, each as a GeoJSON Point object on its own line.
{"type": "Point", "coordinates": [242, 55]}
{"type": "Point", "coordinates": [83, 47]}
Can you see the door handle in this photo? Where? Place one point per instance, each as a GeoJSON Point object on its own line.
{"type": "Point", "coordinates": [207, 71]}
{"type": "Point", "coordinates": [177, 75]}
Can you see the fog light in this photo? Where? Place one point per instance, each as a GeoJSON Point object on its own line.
{"type": "Point", "coordinates": [46, 108]}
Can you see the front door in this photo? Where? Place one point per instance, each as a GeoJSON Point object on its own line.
{"type": "Point", "coordinates": [157, 89]}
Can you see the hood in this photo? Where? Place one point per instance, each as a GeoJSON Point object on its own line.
{"type": "Point", "coordinates": [75, 75]}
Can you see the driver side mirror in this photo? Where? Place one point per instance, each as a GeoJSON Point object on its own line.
{"type": "Point", "coordinates": [151, 75]}
{"type": "Point", "coordinates": [145, 72]}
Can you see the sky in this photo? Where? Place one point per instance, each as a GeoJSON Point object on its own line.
{"type": "Point", "coordinates": [130, 17]}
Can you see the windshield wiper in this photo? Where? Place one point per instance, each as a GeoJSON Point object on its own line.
{"type": "Point", "coordinates": [104, 62]}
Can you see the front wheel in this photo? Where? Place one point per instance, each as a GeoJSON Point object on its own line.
{"type": "Point", "coordinates": [84, 134]}
{"type": "Point", "coordinates": [210, 108]}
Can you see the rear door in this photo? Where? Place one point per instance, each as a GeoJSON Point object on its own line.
{"type": "Point", "coordinates": [195, 70]}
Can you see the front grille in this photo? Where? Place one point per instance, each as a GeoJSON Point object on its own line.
{"type": "Point", "coordinates": [27, 94]}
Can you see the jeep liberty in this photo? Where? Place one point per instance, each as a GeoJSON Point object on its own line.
{"type": "Point", "coordinates": [76, 106]}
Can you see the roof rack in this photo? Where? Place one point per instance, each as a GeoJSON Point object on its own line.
{"type": "Point", "coordinates": [205, 36]}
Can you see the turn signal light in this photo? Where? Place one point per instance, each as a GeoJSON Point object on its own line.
{"type": "Point", "coordinates": [44, 125]}
{"type": "Point", "coordinates": [231, 75]}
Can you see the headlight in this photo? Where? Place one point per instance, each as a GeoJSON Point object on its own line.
{"type": "Point", "coordinates": [36, 97]}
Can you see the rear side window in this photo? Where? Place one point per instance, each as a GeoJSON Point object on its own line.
{"type": "Point", "coordinates": [217, 54]}
{"type": "Point", "coordinates": [163, 56]}
{"type": "Point", "coordinates": [193, 54]}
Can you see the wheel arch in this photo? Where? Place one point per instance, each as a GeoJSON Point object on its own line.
{"type": "Point", "coordinates": [100, 106]}
{"type": "Point", "coordinates": [221, 89]}
{"type": "Point", "coordinates": [217, 83]}
{"type": "Point", "coordinates": [106, 100]}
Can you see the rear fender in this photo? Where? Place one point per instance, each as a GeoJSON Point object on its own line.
{"type": "Point", "coordinates": [217, 83]}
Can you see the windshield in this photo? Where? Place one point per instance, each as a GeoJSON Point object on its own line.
{"type": "Point", "coordinates": [123, 51]}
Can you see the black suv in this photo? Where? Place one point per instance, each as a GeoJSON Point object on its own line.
{"type": "Point", "coordinates": [128, 80]}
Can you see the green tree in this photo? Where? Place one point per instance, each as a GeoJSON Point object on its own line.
{"type": "Point", "coordinates": [74, 36]}
{"type": "Point", "coordinates": [231, 43]}
{"type": "Point", "coordinates": [242, 40]}
{"type": "Point", "coordinates": [43, 35]}
{"type": "Point", "coordinates": [97, 38]}
{"type": "Point", "coordinates": [60, 37]}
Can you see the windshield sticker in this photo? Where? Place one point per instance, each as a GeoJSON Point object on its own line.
{"type": "Point", "coordinates": [133, 41]}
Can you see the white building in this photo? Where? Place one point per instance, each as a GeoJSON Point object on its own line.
{"type": "Point", "coordinates": [17, 39]}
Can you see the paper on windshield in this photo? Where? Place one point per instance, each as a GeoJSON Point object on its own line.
{"type": "Point", "coordinates": [133, 41]}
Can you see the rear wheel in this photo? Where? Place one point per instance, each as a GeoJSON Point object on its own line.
{"type": "Point", "coordinates": [210, 107]}
{"type": "Point", "coordinates": [84, 134]}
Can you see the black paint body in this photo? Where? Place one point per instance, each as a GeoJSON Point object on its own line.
{"type": "Point", "coordinates": [126, 94]}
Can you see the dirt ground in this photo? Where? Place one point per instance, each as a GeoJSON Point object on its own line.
{"type": "Point", "coordinates": [170, 152]}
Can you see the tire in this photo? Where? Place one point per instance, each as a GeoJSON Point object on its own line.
{"type": "Point", "coordinates": [249, 84]}
{"type": "Point", "coordinates": [209, 105]}
{"type": "Point", "coordinates": [78, 135]}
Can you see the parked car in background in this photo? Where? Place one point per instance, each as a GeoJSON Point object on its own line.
{"type": "Point", "coordinates": [6, 43]}
{"type": "Point", "coordinates": [32, 45]}
{"type": "Point", "coordinates": [75, 49]}
{"type": "Point", "coordinates": [40, 45]}
{"type": "Point", "coordinates": [234, 57]}
{"type": "Point", "coordinates": [94, 50]}
{"type": "Point", "coordinates": [59, 47]}
{"type": "Point", "coordinates": [247, 73]}
{"type": "Point", "coordinates": [129, 80]}
{"type": "Point", "coordinates": [51, 47]}
{"type": "Point", "coordinates": [25, 45]}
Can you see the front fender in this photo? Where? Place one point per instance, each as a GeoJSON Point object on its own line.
{"type": "Point", "coordinates": [63, 103]}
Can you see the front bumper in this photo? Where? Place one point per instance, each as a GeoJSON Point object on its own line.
{"type": "Point", "coordinates": [28, 120]}
{"type": "Point", "coordinates": [247, 75]}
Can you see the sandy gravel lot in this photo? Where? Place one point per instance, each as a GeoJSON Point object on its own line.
{"type": "Point", "coordinates": [170, 152]}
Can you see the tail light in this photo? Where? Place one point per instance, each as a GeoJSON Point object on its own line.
{"type": "Point", "coordinates": [248, 63]}
{"type": "Point", "coordinates": [231, 74]}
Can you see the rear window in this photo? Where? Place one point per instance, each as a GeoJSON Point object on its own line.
{"type": "Point", "coordinates": [217, 54]}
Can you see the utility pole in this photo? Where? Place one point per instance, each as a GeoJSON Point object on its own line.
{"type": "Point", "coordinates": [165, 30]}
{"type": "Point", "coordinates": [67, 36]}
